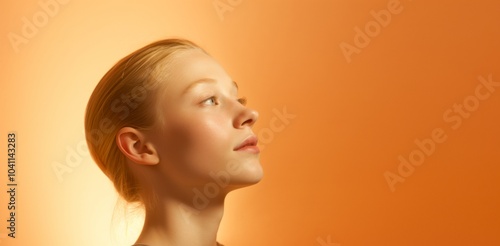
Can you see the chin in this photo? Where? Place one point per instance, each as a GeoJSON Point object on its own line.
{"type": "Point", "coordinates": [246, 173]}
{"type": "Point", "coordinates": [250, 174]}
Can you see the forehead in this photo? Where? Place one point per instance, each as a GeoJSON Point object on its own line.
{"type": "Point", "coordinates": [188, 66]}
{"type": "Point", "coordinates": [184, 68]}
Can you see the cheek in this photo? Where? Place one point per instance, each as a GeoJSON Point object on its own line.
{"type": "Point", "coordinates": [200, 145]}
{"type": "Point", "coordinates": [209, 138]}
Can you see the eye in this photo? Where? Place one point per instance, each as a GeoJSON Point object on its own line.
{"type": "Point", "coordinates": [210, 101]}
{"type": "Point", "coordinates": [242, 100]}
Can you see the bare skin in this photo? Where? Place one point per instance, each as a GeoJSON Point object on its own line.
{"type": "Point", "coordinates": [192, 161]}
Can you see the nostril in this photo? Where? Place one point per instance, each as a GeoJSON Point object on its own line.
{"type": "Point", "coordinates": [248, 122]}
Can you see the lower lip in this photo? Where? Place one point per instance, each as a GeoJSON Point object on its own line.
{"type": "Point", "coordinates": [250, 148]}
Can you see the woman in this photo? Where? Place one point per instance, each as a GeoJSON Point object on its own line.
{"type": "Point", "coordinates": [167, 127]}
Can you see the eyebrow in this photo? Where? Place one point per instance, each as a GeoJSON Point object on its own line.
{"type": "Point", "coordinates": [203, 80]}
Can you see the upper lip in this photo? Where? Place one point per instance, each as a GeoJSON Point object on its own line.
{"type": "Point", "coordinates": [249, 141]}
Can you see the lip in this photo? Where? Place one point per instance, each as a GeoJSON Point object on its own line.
{"type": "Point", "coordinates": [249, 145]}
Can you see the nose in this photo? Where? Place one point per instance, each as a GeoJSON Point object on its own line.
{"type": "Point", "coordinates": [246, 117]}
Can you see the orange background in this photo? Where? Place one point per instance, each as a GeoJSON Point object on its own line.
{"type": "Point", "coordinates": [324, 170]}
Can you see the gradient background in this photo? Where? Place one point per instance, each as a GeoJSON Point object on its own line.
{"type": "Point", "coordinates": [324, 171]}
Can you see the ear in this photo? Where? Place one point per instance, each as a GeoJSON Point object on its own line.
{"type": "Point", "coordinates": [134, 145]}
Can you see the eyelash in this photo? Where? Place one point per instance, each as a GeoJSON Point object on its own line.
{"type": "Point", "coordinates": [241, 100]}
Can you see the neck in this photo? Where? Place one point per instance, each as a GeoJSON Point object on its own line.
{"type": "Point", "coordinates": [183, 222]}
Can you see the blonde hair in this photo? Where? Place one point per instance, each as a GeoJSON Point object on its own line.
{"type": "Point", "coordinates": [125, 96]}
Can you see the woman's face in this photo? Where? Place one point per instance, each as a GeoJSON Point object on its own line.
{"type": "Point", "coordinates": [204, 124]}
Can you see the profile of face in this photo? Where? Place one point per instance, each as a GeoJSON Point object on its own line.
{"type": "Point", "coordinates": [204, 132]}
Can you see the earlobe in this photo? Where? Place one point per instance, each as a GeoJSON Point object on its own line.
{"type": "Point", "coordinates": [134, 145]}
